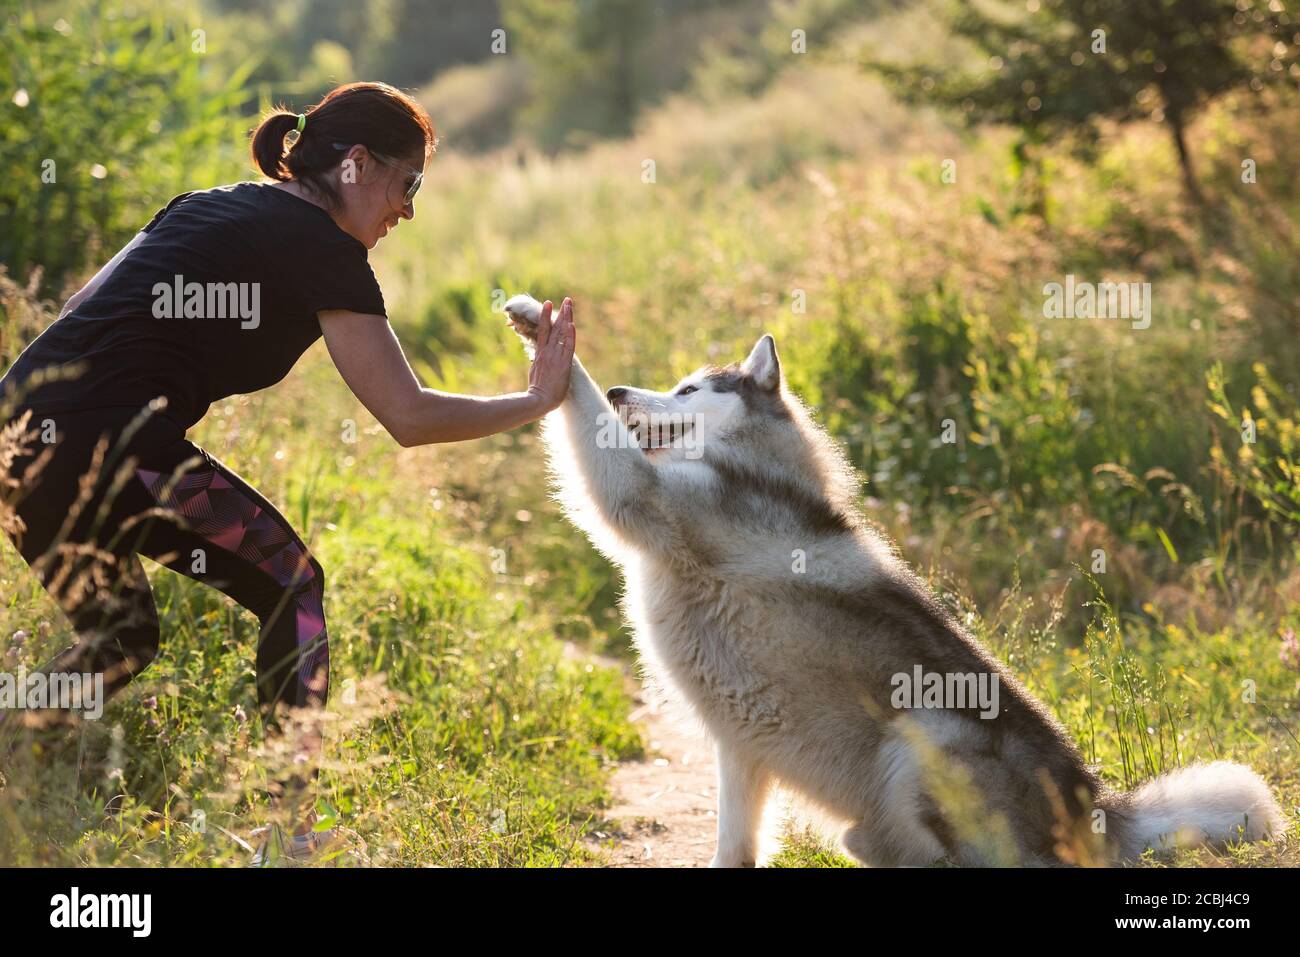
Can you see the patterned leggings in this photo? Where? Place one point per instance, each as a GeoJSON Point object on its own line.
{"type": "Point", "coordinates": [163, 497]}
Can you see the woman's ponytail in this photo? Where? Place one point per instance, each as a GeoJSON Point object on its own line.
{"type": "Point", "coordinates": [267, 148]}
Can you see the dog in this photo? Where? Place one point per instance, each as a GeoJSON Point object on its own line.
{"type": "Point", "coordinates": [762, 599]}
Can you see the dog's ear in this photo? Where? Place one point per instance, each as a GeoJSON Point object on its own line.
{"type": "Point", "coordinates": [762, 365]}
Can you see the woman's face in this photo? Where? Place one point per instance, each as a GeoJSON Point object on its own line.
{"type": "Point", "coordinates": [374, 192]}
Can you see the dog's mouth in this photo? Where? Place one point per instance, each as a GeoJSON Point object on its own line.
{"type": "Point", "coordinates": [657, 431]}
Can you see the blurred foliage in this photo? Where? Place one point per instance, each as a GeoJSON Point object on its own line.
{"type": "Point", "coordinates": [587, 61]}
{"type": "Point", "coordinates": [744, 52]}
{"type": "Point", "coordinates": [597, 65]}
{"type": "Point", "coordinates": [1055, 66]}
{"type": "Point", "coordinates": [105, 117]}
{"type": "Point", "coordinates": [404, 42]}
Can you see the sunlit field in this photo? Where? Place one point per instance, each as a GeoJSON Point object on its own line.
{"type": "Point", "coordinates": [1114, 510]}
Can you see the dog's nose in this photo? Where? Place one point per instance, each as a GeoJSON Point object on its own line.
{"type": "Point", "coordinates": [617, 395]}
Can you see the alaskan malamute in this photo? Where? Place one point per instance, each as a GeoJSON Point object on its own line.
{"type": "Point", "coordinates": [761, 598]}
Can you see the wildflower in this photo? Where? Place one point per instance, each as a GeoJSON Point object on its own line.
{"type": "Point", "coordinates": [1290, 650]}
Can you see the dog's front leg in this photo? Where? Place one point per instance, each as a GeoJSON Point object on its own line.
{"type": "Point", "coordinates": [587, 437]}
{"type": "Point", "coordinates": [742, 790]}
{"type": "Point", "coordinates": [619, 479]}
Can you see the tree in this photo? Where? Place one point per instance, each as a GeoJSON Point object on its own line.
{"type": "Point", "coordinates": [588, 60]}
{"type": "Point", "coordinates": [1059, 66]}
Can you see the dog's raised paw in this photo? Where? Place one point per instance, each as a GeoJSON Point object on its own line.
{"type": "Point", "coordinates": [523, 313]}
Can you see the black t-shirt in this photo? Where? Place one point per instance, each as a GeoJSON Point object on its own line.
{"type": "Point", "coordinates": [218, 299]}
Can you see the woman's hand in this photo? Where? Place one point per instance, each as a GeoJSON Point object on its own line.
{"type": "Point", "coordinates": [548, 377]}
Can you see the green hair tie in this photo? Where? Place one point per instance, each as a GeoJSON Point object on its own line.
{"type": "Point", "coordinates": [293, 136]}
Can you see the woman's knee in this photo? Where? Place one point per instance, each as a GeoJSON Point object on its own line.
{"type": "Point", "coordinates": [317, 573]}
{"type": "Point", "coordinates": [308, 588]}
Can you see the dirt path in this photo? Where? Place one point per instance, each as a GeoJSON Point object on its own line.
{"type": "Point", "coordinates": [666, 815]}
{"type": "Point", "coordinates": [666, 804]}
{"type": "Point", "coordinates": [665, 812]}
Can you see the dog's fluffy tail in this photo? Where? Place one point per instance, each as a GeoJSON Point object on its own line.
{"type": "Point", "coordinates": [1201, 804]}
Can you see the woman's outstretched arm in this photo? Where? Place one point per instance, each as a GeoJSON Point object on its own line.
{"type": "Point", "coordinates": [370, 360]}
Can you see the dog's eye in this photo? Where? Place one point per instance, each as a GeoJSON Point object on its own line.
{"type": "Point", "coordinates": [687, 390]}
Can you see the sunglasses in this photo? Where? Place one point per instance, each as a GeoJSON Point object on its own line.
{"type": "Point", "coordinates": [389, 161]}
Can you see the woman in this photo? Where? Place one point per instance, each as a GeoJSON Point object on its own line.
{"type": "Point", "coordinates": [219, 295]}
